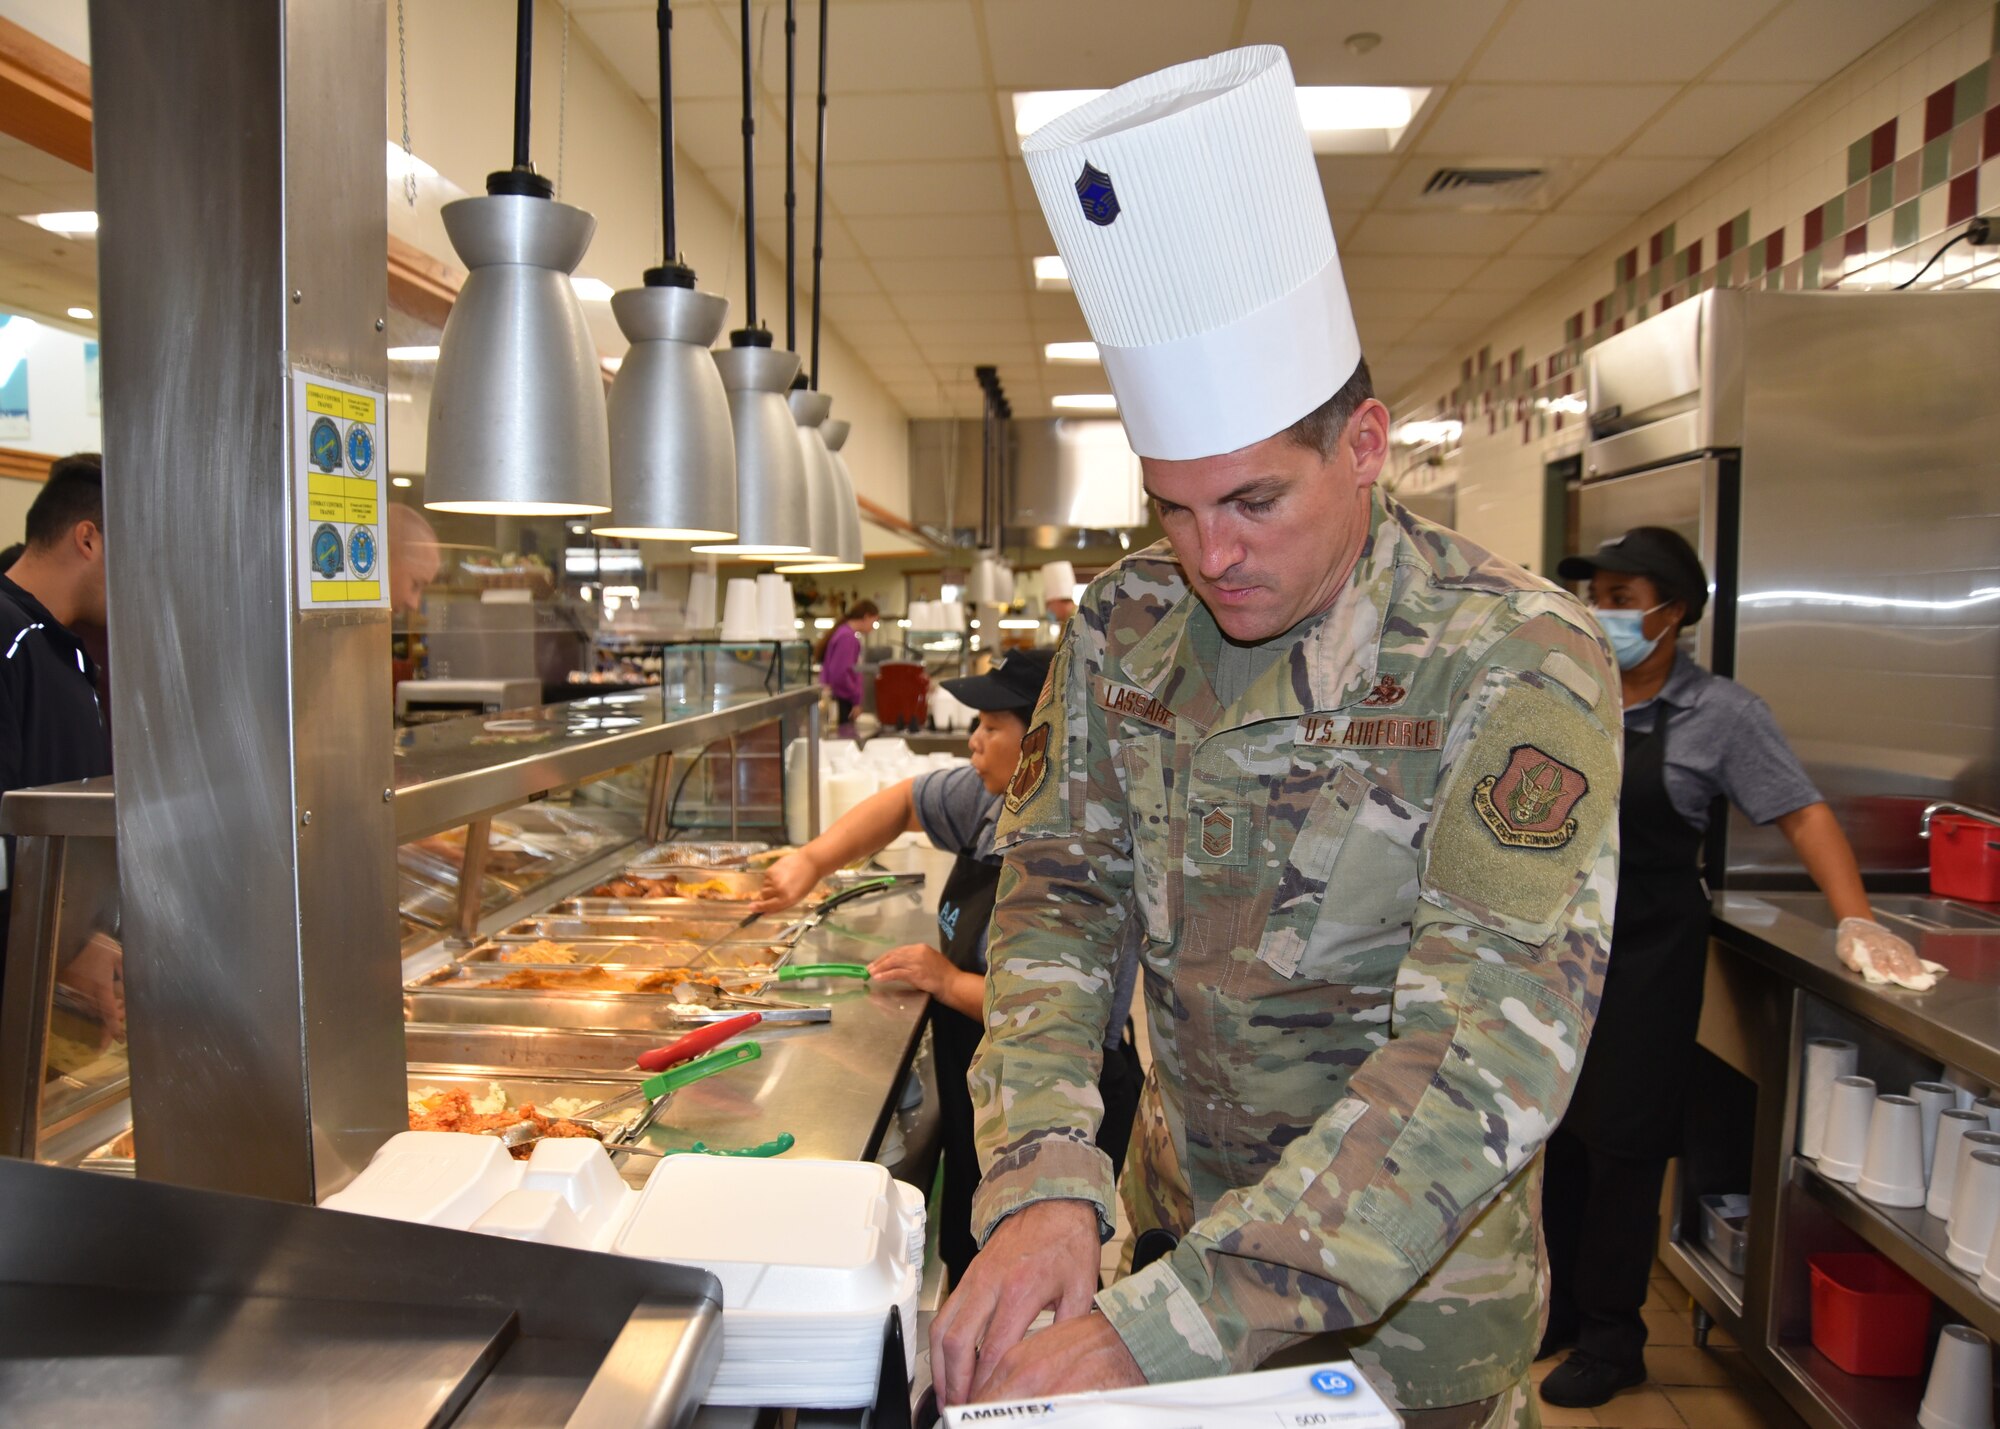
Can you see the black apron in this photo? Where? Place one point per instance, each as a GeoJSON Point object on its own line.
{"type": "Point", "coordinates": [965, 907]}
{"type": "Point", "coordinates": [1629, 1095]}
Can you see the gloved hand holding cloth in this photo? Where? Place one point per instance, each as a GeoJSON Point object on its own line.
{"type": "Point", "coordinates": [1868, 948]}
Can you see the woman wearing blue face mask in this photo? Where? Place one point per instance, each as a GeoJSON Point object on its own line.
{"type": "Point", "coordinates": [1692, 740]}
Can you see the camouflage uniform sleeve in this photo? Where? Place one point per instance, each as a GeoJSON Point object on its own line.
{"type": "Point", "coordinates": [1492, 1010]}
{"type": "Point", "coordinates": [1052, 954]}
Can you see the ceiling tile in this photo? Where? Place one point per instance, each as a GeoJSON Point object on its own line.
{"type": "Point", "coordinates": [1350, 180]}
{"type": "Point", "coordinates": [1024, 188]}
{"type": "Point", "coordinates": [1393, 306]}
{"type": "Point", "coordinates": [998, 307]}
{"type": "Point", "coordinates": [1711, 119]}
{"type": "Point", "coordinates": [968, 354]}
{"type": "Point", "coordinates": [1407, 233]}
{"type": "Point", "coordinates": [1379, 334]}
{"type": "Point", "coordinates": [1544, 40]}
{"type": "Point", "coordinates": [1548, 120]}
{"type": "Point", "coordinates": [968, 235]}
{"type": "Point", "coordinates": [1566, 235]}
{"type": "Point", "coordinates": [949, 275]}
{"type": "Point", "coordinates": [879, 45]}
{"type": "Point", "coordinates": [1369, 272]}
{"type": "Point", "coordinates": [1625, 185]}
{"type": "Point", "coordinates": [1815, 41]}
{"type": "Point", "coordinates": [1421, 44]}
{"type": "Point", "coordinates": [1064, 44]}
{"type": "Point", "coordinates": [957, 125]}
{"type": "Point", "coordinates": [1447, 328]}
{"type": "Point", "coordinates": [709, 131]}
{"type": "Point", "coordinates": [1482, 305]}
{"type": "Point", "coordinates": [873, 188]}
{"type": "Point", "coordinates": [929, 332]}
{"type": "Point", "coordinates": [1516, 275]}
{"type": "Point", "coordinates": [841, 275]}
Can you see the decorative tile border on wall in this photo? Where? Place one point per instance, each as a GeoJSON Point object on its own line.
{"type": "Point", "coordinates": [1907, 187]}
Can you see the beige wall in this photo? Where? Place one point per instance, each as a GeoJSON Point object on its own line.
{"type": "Point", "coordinates": [461, 71]}
{"type": "Point", "coordinates": [1793, 167]}
{"type": "Point", "coordinates": [16, 496]}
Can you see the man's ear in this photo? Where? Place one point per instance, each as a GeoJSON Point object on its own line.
{"type": "Point", "coordinates": [1366, 438]}
{"type": "Point", "coordinates": [86, 538]}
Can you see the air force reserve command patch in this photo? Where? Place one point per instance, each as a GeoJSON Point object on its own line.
{"type": "Point", "coordinates": [1527, 804]}
{"type": "Point", "coordinates": [1033, 768]}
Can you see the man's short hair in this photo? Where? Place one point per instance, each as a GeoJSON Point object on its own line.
{"type": "Point", "coordinates": [75, 492]}
{"type": "Point", "coordinates": [1319, 430]}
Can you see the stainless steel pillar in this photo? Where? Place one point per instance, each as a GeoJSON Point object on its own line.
{"type": "Point", "coordinates": [239, 182]}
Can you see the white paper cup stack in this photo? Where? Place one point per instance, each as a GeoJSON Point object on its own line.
{"type": "Point", "coordinates": [1952, 1127]}
{"type": "Point", "coordinates": [1849, 1109]}
{"type": "Point", "coordinates": [739, 610]}
{"type": "Point", "coordinates": [1960, 1392]}
{"type": "Point", "coordinates": [1828, 1059]}
{"type": "Point", "coordinates": [1892, 1174]}
{"type": "Point", "coordinates": [1933, 1099]}
{"type": "Point", "coordinates": [775, 620]}
{"type": "Point", "coordinates": [701, 600]}
{"type": "Point", "coordinates": [1975, 1210]}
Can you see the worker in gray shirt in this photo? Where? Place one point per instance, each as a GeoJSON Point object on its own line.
{"type": "Point", "coordinates": [1692, 740]}
{"type": "Point", "coordinates": [957, 810]}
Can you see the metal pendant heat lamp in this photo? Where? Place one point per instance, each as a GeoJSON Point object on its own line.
{"type": "Point", "coordinates": [837, 517]}
{"type": "Point", "coordinates": [517, 421]}
{"type": "Point", "coordinates": [772, 516]}
{"type": "Point", "coordinates": [673, 450]}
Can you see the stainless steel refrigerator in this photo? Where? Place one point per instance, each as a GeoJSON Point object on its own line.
{"type": "Point", "coordinates": [1835, 458]}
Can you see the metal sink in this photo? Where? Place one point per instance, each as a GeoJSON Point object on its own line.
{"type": "Point", "coordinates": [1915, 916]}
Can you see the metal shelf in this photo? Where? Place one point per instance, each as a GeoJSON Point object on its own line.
{"type": "Point", "coordinates": [1827, 1397]}
{"type": "Point", "coordinates": [1912, 1240]}
{"type": "Point", "coordinates": [1715, 1289]}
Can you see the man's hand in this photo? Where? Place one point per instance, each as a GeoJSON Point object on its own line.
{"type": "Point", "coordinates": [918, 964]}
{"type": "Point", "coordinates": [786, 882]}
{"type": "Point", "coordinates": [1043, 1257]}
{"type": "Point", "coordinates": [1071, 1358]}
{"type": "Point", "coordinates": [97, 975]}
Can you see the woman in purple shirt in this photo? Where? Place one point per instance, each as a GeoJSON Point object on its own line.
{"type": "Point", "coordinates": [840, 657]}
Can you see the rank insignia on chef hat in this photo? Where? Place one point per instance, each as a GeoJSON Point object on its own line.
{"type": "Point", "coordinates": [1094, 192]}
{"type": "Point", "coordinates": [1216, 300]}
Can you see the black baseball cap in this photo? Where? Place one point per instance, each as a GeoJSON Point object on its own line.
{"type": "Point", "coordinates": [1661, 555]}
{"type": "Point", "coordinates": [1013, 684]}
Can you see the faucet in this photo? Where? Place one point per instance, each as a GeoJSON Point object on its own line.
{"type": "Point", "coordinates": [1946, 806]}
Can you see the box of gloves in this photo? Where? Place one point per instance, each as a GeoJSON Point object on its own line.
{"type": "Point", "coordinates": [1331, 1396]}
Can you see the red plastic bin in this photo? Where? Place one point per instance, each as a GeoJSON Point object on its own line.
{"type": "Point", "coordinates": [1868, 1317]}
{"type": "Point", "coordinates": [1965, 858]}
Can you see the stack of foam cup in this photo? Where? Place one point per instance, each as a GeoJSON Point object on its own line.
{"type": "Point", "coordinates": [1849, 1110]}
{"type": "Point", "coordinates": [1827, 1060]}
{"type": "Point", "coordinates": [775, 619]}
{"type": "Point", "coordinates": [739, 610]}
{"type": "Point", "coordinates": [1892, 1173]}
{"type": "Point", "coordinates": [701, 600]}
{"type": "Point", "coordinates": [1975, 1207]}
{"type": "Point", "coordinates": [1952, 1127]}
{"type": "Point", "coordinates": [1960, 1392]}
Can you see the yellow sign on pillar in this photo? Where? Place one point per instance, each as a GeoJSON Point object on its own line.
{"type": "Point", "coordinates": [339, 470]}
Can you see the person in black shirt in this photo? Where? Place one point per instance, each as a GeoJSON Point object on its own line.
{"type": "Point", "coordinates": [52, 728]}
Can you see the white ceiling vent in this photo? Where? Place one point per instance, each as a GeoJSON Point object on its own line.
{"type": "Point", "coordinates": [1485, 188]}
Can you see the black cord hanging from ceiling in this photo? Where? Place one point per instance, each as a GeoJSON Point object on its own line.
{"type": "Point", "coordinates": [791, 176]}
{"type": "Point", "coordinates": [819, 200]}
{"type": "Point", "coordinates": [522, 179]}
{"type": "Point", "coordinates": [671, 272]}
{"type": "Point", "coordinates": [750, 334]}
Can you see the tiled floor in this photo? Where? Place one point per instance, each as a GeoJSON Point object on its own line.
{"type": "Point", "coordinates": [1690, 1388]}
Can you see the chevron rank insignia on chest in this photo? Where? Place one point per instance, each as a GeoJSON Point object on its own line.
{"type": "Point", "coordinates": [1218, 832]}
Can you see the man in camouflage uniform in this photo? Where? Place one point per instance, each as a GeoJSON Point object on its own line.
{"type": "Point", "coordinates": [1353, 783]}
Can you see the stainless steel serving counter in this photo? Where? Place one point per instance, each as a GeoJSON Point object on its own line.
{"type": "Point", "coordinates": [1774, 965]}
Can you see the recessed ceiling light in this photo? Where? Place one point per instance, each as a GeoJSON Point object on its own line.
{"type": "Point", "coordinates": [413, 354]}
{"type": "Point", "coordinates": [1051, 274]}
{"type": "Point", "coordinates": [82, 315]}
{"type": "Point", "coordinates": [611, 364]}
{"type": "Point", "coordinates": [1070, 351]}
{"type": "Point", "coordinates": [1084, 402]}
{"type": "Point", "coordinates": [403, 481]}
{"type": "Point", "coordinates": [401, 397]}
{"type": "Point", "coordinates": [80, 224]}
{"type": "Point", "coordinates": [591, 290]}
{"type": "Point", "coordinates": [1341, 118]}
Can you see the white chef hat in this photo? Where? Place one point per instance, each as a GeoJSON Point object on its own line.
{"type": "Point", "coordinates": [1058, 581]}
{"type": "Point", "coordinates": [1190, 217]}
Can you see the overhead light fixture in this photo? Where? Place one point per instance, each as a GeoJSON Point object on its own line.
{"type": "Point", "coordinates": [401, 398]}
{"type": "Point", "coordinates": [611, 364]}
{"type": "Point", "coordinates": [591, 290]}
{"type": "Point", "coordinates": [772, 515]}
{"type": "Point", "coordinates": [850, 556]}
{"type": "Point", "coordinates": [82, 315]}
{"type": "Point", "coordinates": [400, 481]}
{"type": "Point", "coordinates": [1019, 622]}
{"type": "Point", "coordinates": [403, 165]}
{"type": "Point", "coordinates": [413, 354]}
{"type": "Point", "coordinates": [1340, 118]}
{"type": "Point", "coordinates": [517, 416]}
{"type": "Point", "coordinates": [79, 224]}
{"type": "Point", "coordinates": [1070, 351]}
{"type": "Point", "coordinates": [809, 410]}
{"type": "Point", "coordinates": [673, 450]}
{"type": "Point", "coordinates": [1424, 433]}
{"type": "Point", "coordinates": [1085, 402]}
{"type": "Point", "coordinates": [1051, 274]}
